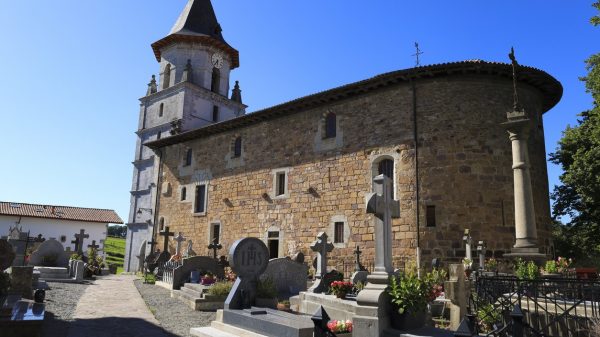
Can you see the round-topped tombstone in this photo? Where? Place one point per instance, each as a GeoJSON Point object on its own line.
{"type": "Point", "coordinates": [7, 255]}
{"type": "Point", "coordinates": [249, 257]}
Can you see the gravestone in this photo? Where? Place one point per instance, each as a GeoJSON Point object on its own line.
{"type": "Point", "coordinates": [329, 277]}
{"type": "Point", "coordinates": [289, 277]}
{"type": "Point", "coordinates": [298, 257]}
{"type": "Point", "coordinates": [80, 238]}
{"type": "Point", "coordinates": [7, 255]}
{"type": "Point", "coordinates": [21, 281]}
{"type": "Point", "coordinates": [19, 241]}
{"type": "Point", "coordinates": [359, 276]}
{"type": "Point", "coordinates": [190, 250]}
{"type": "Point", "coordinates": [50, 253]}
{"type": "Point", "coordinates": [215, 246]}
{"type": "Point", "coordinates": [322, 247]}
{"type": "Point", "coordinates": [248, 258]}
{"type": "Point", "coordinates": [179, 239]}
{"type": "Point", "coordinates": [202, 264]}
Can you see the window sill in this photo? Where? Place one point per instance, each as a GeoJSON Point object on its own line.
{"type": "Point", "coordinates": [199, 214]}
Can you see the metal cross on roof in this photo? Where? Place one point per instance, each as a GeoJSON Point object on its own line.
{"type": "Point", "coordinates": [215, 246]}
{"type": "Point", "coordinates": [417, 54]}
{"type": "Point", "coordinates": [166, 235]}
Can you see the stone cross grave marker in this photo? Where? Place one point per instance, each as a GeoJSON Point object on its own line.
{"type": "Point", "coordinates": [321, 246]}
{"type": "Point", "coordinates": [80, 238]}
{"type": "Point", "coordinates": [179, 239]}
{"type": "Point", "coordinates": [481, 249]}
{"type": "Point", "coordinates": [94, 245]}
{"type": "Point", "coordinates": [152, 243]}
{"type": "Point", "coordinates": [248, 258]}
{"type": "Point", "coordinates": [215, 246]}
{"type": "Point", "coordinates": [166, 235]}
{"type": "Point", "coordinates": [357, 252]}
{"type": "Point", "coordinates": [384, 207]}
{"type": "Point", "coordinates": [468, 240]}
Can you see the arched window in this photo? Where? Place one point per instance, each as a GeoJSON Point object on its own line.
{"type": "Point", "coordinates": [161, 223]}
{"type": "Point", "coordinates": [161, 110]}
{"type": "Point", "coordinates": [216, 80]}
{"type": "Point", "coordinates": [237, 147]}
{"type": "Point", "coordinates": [187, 161]}
{"type": "Point", "coordinates": [330, 125]}
{"type": "Point", "coordinates": [386, 167]}
{"type": "Point", "coordinates": [183, 194]}
{"type": "Point", "coordinates": [167, 77]}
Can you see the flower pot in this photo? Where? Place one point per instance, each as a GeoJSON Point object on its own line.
{"type": "Point", "coordinates": [408, 320]}
{"type": "Point", "coordinates": [341, 295]}
{"type": "Point", "coordinates": [468, 272]}
{"type": "Point", "coordinates": [283, 307]}
{"type": "Point", "coordinates": [266, 302]}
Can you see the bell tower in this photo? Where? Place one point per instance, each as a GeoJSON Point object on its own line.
{"type": "Point", "coordinates": [192, 92]}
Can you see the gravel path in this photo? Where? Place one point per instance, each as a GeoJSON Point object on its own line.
{"type": "Point", "coordinates": [61, 300]}
{"type": "Point", "coordinates": [173, 315]}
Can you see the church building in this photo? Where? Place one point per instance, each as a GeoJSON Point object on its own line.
{"type": "Point", "coordinates": [286, 173]}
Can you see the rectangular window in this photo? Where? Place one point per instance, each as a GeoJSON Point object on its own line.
{"type": "Point", "coordinates": [430, 215]}
{"type": "Point", "coordinates": [338, 235]}
{"type": "Point", "coordinates": [200, 204]}
{"type": "Point", "coordinates": [280, 183]}
{"type": "Point", "coordinates": [188, 158]}
{"type": "Point", "coordinates": [183, 194]}
{"type": "Point", "coordinates": [215, 233]}
{"type": "Point", "coordinates": [215, 116]}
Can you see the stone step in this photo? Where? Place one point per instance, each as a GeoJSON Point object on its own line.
{"type": "Point", "coordinates": [218, 329]}
{"type": "Point", "coordinates": [210, 332]}
{"type": "Point", "coordinates": [219, 325]}
{"type": "Point", "coordinates": [197, 287]}
{"type": "Point", "coordinates": [191, 292]}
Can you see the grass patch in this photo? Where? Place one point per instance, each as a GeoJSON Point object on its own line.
{"type": "Point", "coordinates": [114, 248]}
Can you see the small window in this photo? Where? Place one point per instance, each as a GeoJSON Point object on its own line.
{"type": "Point", "coordinates": [158, 135]}
{"type": "Point", "coordinates": [183, 194]}
{"type": "Point", "coordinates": [280, 188]}
{"type": "Point", "coordinates": [188, 158]}
{"type": "Point", "coordinates": [330, 125]}
{"type": "Point", "coordinates": [430, 215]}
{"type": "Point", "coordinates": [237, 147]}
{"type": "Point", "coordinates": [161, 109]}
{"type": "Point", "coordinates": [215, 233]}
{"type": "Point", "coordinates": [215, 116]}
{"type": "Point", "coordinates": [200, 204]}
{"type": "Point", "coordinates": [162, 223]}
{"type": "Point", "coordinates": [386, 167]}
{"type": "Point", "coordinates": [216, 80]}
{"type": "Point", "coordinates": [338, 235]}
{"type": "Point", "coordinates": [63, 238]}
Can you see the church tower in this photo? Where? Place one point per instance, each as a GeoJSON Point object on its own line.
{"type": "Point", "coordinates": [192, 92]}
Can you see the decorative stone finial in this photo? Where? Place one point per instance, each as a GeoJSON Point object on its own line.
{"type": "Point", "coordinates": [152, 88]}
{"type": "Point", "coordinates": [236, 93]}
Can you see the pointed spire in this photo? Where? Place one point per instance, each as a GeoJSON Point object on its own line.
{"type": "Point", "coordinates": [236, 93]}
{"type": "Point", "coordinates": [187, 72]}
{"type": "Point", "coordinates": [198, 18]}
{"type": "Point", "coordinates": [152, 88]}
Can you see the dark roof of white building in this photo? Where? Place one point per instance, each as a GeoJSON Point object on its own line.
{"type": "Point", "coordinates": [60, 212]}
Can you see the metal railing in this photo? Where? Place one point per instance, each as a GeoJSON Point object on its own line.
{"type": "Point", "coordinates": [167, 270]}
{"type": "Point", "coordinates": [550, 307]}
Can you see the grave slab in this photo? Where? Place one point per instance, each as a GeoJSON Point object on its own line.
{"type": "Point", "coordinates": [270, 322]}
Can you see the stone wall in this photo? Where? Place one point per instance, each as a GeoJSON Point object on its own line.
{"type": "Point", "coordinates": [464, 166]}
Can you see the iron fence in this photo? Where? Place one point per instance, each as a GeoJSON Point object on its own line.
{"type": "Point", "coordinates": [167, 269]}
{"type": "Point", "coordinates": [546, 307]}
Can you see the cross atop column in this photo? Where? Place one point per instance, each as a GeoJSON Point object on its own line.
{"type": "Point", "coordinates": [94, 245]}
{"type": "Point", "coordinates": [179, 239]}
{"type": "Point", "coordinates": [166, 235]}
{"type": "Point", "coordinates": [215, 246]}
{"type": "Point", "coordinates": [321, 247]}
{"type": "Point", "coordinates": [80, 237]}
{"type": "Point", "coordinates": [357, 252]}
{"type": "Point", "coordinates": [382, 204]}
{"type": "Point", "coordinates": [468, 240]}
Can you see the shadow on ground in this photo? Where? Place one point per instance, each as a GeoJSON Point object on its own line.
{"type": "Point", "coordinates": [102, 327]}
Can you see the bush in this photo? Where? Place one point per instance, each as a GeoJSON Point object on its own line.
{"type": "Point", "coordinates": [220, 288]}
{"type": "Point", "coordinates": [487, 316]}
{"type": "Point", "coordinates": [409, 293]}
{"type": "Point", "coordinates": [526, 270]}
{"type": "Point", "coordinates": [266, 288]}
{"type": "Point", "coordinates": [4, 283]}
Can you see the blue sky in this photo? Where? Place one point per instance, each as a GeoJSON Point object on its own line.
{"type": "Point", "coordinates": [72, 70]}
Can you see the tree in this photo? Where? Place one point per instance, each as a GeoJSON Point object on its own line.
{"type": "Point", "coordinates": [578, 153]}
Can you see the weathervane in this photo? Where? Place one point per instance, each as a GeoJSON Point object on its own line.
{"type": "Point", "coordinates": [419, 52]}
{"type": "Point", "coordinates": [512, 57]}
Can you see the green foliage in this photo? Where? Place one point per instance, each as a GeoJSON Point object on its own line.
{"type": "Point", "coordinates": [76, 257]}
{"type": "Point", "coordinates": [550, 267]}
{"type": "Point", "coordinates": [526, 270]}
{"type": "Point", "coordinates": [117, 231]}
{"type": "Point", "coordinates": [4, 283]}
{"type": "Point", "coordinates": [266, 288]}
{"type": "Point", "coordinates": [114, 248]}
{"type": "Point", "coordinates": [487, 316]}
{"type": "Point", "coordinates": [149, 278]}
{"type": "Point", "coordinates": [409, 293]}
{"type": "Point", "coordinates": [221, 288]}
{"type": "Point", "coordinates": [578, 196]}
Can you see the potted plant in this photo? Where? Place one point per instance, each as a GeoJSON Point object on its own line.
{"type": "Point", "coordinates": [340, 288]}
{"type": "Point", "coordinates": [283, 305]}
{"type": "Point", "coordinates": [487, 316]}
{"type": "Point", "coordinates": [550, 269]}
{"type": "Point", "coordinates": [340, 328]}
{"type": "Point", "coordinates": [491, 265]}
{"type": "Point", "coordinates": [208, 279]}
{"type": "Point", "coordinates": [563, 264]}
{"type": "Point", "coordinates": [409, 296]}
{"type": "Point", "coordinates": [526, 270]}
{"type": "Point", "coordinates": [467, 263]}
{"type": "Point", "coordinates": [266, 293]}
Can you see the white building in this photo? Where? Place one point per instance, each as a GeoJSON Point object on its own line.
{"type": "Point", "coordinates": [192, 92]}
{"type": "Point", "coordinates": [59, 222]}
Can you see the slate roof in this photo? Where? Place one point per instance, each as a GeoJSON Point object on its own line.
{"type": "Point", "coordinates": [197, 23]}
{"type": "Point", "coordinates": [60, 212]}
{"type": "Point", "coordinates": [550, 88]}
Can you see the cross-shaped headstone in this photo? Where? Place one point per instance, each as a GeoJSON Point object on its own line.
{"type": "Point", "coordinates": [76, 243]}
{"type": "Point", "coordinates": [152, 243]}
{"type": "Point", "coordinates": [384, 207]}
{"type": "Point", "coordinates": [468, 240]}
{"type": "Point", "coordinates": [215, 246]}
{"type": "Point", "coordinates": [94, 245]}
{"type": "Point", "coordinates": [321, 247]}
{"type": "Point", "coordinates": [80, 237]}
{"type": "Point", "coordinates": [166, 235]}
{"type": "Point", "coordinates": [179, 239]}
{"type": "Point", "coordinates": [357, 252]}
{"type": "Point", "coordinates": [481, 249]}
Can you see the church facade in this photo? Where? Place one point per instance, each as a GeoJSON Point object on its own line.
{"type": "Point", "coordinates": [286, 173]}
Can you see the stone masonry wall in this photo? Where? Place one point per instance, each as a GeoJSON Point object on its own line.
{"type": "Point", "coordinates": [464, 160]}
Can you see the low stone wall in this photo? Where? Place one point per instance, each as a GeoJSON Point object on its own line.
{"type": "Point", "coordinates": [308, 303]}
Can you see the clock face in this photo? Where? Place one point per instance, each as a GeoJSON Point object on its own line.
{"type": "Point", "coordinates": [217, 60]}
